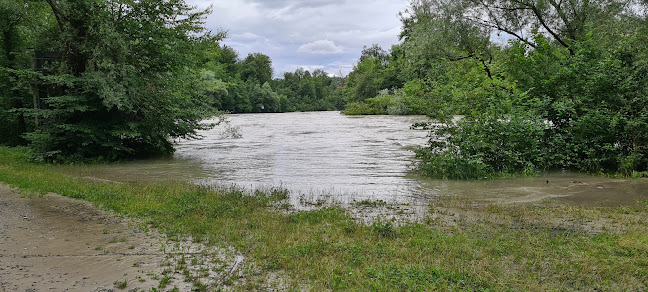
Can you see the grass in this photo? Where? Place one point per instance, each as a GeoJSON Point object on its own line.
{"type": "Point", "coordinates": [121, 284]}
{"type": "Point", "coordinates": [456, 247]}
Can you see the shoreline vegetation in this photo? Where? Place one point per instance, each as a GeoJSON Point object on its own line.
{"type": "Point", "coordinates": [562, 86]}
{"type": "Point", "coordinates": [456, 246]}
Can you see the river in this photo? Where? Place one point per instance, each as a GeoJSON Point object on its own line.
{"type": "Point", "coordinates": [327, 156]}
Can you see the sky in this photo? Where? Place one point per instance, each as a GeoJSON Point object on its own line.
{"type": "Point", "coordinates": [312, 34]}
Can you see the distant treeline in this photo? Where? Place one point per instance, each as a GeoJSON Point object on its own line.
{"type": "Point", "coordinates": [247, 85]}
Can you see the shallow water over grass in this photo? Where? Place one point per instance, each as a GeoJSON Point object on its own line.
{"type": "Point", "coordinates": [326, 156]}
{"type": "Point", "coordinates": [561, 187]}
{"type": "Point", "coordinates": [454, 246]}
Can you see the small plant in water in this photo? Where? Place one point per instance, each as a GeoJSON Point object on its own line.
{"type": "Point", "coordinates": [383, 228]}
{"type": "Point", "coordinates": [230, 132]}
{"type": "Point", "coordinates": [370, 203]}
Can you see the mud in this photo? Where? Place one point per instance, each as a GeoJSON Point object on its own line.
{"type": "Point", "coordinates": [562, 188]}
{"type": "Point", "coordinates": [54, 243]}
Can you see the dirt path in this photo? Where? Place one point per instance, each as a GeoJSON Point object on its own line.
{"type": "Point", "coordinates": [56, 243]}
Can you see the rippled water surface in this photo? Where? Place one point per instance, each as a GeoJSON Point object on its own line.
{"type": "Point", "coordinates": [349, 158]}
{"type": "Point", "coordinates": [314, 153]}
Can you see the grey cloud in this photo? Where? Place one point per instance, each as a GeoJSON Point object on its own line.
{"type": "Point", "coordinates": [328, 33]}
{"type": "Point", "coordinates": [310, 68]}
{"type": "Point", "coordinates": [320, 47]}
{"type": "Point", "coordinates": [295, 4]}
{"type": "Point", "coordinates": [248, 36]}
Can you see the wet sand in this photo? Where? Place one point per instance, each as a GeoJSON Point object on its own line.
{"type": "Point", "coordinates": [55, 243]}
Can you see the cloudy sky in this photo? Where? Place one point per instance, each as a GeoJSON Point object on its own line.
{"type": "Point", "coordinates": [313, 34]}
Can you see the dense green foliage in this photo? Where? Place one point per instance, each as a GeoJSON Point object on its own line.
{"type": "Point", "coordinates": [111, 79]}
{"type": "Point", "coordinates": [108, 80]}
{"type": "Point", "coordinates": [306, 91]}
{"type": "Point", "coordinates": [19, 29]}
{"type": "Point", "coordinates": [473, 248]}
{"type": "Point", "coordinates": [568, 89]}
{"type": "Point", "coordinates": [247, 86]}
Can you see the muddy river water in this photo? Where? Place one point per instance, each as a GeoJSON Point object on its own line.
{"type": "Point", "coordinates": [330, 156]}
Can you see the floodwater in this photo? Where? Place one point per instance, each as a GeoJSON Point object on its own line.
{"type": "Point", "coordinates": [314, 154]}
{"type": "Point", "coordinates": [320, 156]}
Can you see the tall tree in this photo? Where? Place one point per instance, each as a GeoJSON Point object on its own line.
{"type": "Point", "coordinates": [126, 82]}
{"type": "Point", "coordinates": [256, 67]}
{"type": "Point", "coordinates": [563, 21]}
{"type": "Point", "coordinates": [21, 24]}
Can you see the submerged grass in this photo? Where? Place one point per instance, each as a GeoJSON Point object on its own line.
{"type": "Point", "coordinates": [455, 248]}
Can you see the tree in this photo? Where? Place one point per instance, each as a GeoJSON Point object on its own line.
{"type": "Point", "coordinates": [568, 91]}
{"type": "Point", "coordinates": [127, 81]}
{"type": "Point", "coordinates": [563, 21]}
{"type": "Point", "coordinates": [305, 91]}
{"type": "Point", "coordinates": [365, 81]}
{"type": "Point", "coordinates": [215, 90]}
{"type": "Point", "coordinates": [21, 22]}
{"type": "Point", "coordinates": [256, 67]}
{"type": "Point", "coordinates": [443, 30]}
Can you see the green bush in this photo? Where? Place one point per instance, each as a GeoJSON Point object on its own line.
{"type": "Point", "coordinates": [585, 112]}
{"type": "Point", "coordinates": [481, 148]}
{"type": "Point", "coordinates": [387, 102]}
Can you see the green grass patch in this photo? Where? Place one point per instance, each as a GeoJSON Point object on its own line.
{"type": "Point", "coordinates": [326, 249]}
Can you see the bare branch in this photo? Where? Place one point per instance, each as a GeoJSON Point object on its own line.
{"type": "Point", "coordinates": [549, 30]}
{"type": "Point", "coordinates": [454, 59]}
{"type": "Point", "coordinates": [57, 13]}
{"type": "Point", "coordinates": [563, 17]}
{"type": "Point", "coordinates": [497, 26]}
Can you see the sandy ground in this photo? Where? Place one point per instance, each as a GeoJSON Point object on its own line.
{"type": "Point", "coordinates": [54, 243]}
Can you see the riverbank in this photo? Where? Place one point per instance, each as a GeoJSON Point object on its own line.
{"type": "Point", "coordinates": [54, 242]}
{"type": "Point", "coordinates": [57, 243]}
{"type": "Point", "coordinates": [455, 246]}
